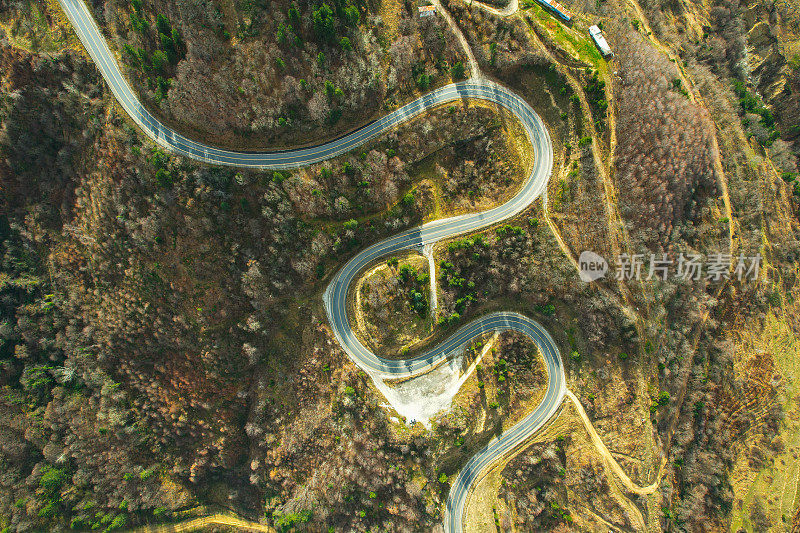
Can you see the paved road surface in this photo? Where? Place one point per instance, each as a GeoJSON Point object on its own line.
{"type": "Point", "coordinates": [336, 294]}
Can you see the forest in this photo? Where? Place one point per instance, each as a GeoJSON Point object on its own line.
{"type": "Point", "coordinates": [163, 342]}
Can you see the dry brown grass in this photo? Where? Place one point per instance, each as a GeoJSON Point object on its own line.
{"type": "Point", "coordinates": [765, 353]}
{"type": "Point", "coordinates": [382, 318]}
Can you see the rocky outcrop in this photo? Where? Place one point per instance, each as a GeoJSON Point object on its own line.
{"type": "Point", "coordinates": [774, 78]}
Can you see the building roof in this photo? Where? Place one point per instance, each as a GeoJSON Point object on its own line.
{"type": "Point", "coordinates": [600, 41]}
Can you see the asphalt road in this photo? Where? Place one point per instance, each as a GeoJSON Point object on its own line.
{"type": "Point", "coordinates": [335, 296]}
{"type": "Point", "coordinates": [92, 39]}
{"type": "Point", "coordinates": [499, 446]}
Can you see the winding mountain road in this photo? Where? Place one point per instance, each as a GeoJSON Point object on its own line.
{"type": "Point", "coordinates": [335, 296]}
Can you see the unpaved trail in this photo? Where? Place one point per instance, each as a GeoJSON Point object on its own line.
{"type": "Point", "coordinates": [511, 8]}
{"type": "Point", "coordinates": [474, 69]}
{"type": "Point", "coordinates": [609, 460]}
{"type": "Point", "coordinates": [206, 522]}
{"type": "Point", "coordinates": [696, 98]}
{"type": "Point", "coordinates": [335, 297]}
{"type": "Point", "coordinates": [427, 251]}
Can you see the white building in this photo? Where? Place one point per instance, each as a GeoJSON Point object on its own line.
{"type": "Point", "coordinates": [600, 41]}
{"type": "Point", "coordinates": [426, 11]}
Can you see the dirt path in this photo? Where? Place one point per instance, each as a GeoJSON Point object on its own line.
{"type": "Point", "coordinates": [427, 251]}
{"type": "Point", "coordinates": [559, 239]}
{"type": "Point", "coordinates": [511, 8]}
{"type": "Point", "coordinates": [696, 98]}
{"type": "Point", "coordinates": [609, 460]}
{"type": "Point", "coordinates": [617, 235]}
{"type": "Point", "coordinates": [474, 69]}
{"type": "Point", "coordinates": [205, 522]}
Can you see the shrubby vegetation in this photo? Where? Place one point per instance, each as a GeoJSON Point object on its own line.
{"type": "Point", "coordinates": [416, 286]}
{"type": "Point", "coordinates": [532, 486]}
{"type": "Point", "coordinates": [158, 49]}
{"type": "Point", "coordinates": [153, 341]}
{"type": "Point", "coordinates": [663, 160]}
{"type": "Point", "coordinates": [141, 294]}
{"type": "Point", "coordinates": [268, 74]}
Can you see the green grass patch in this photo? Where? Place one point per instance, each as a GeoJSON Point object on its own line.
{"type": "Point", "coordinates": [574, 41]}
